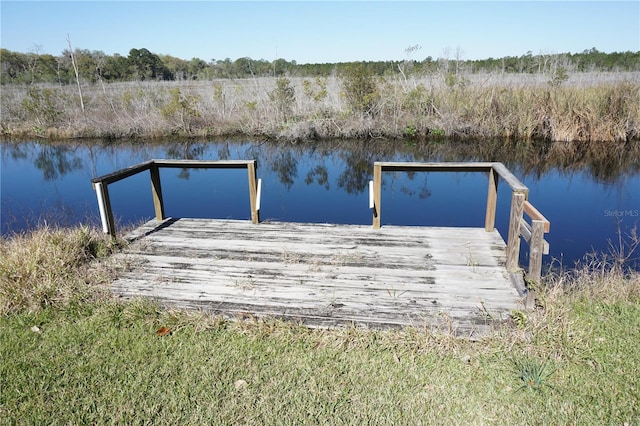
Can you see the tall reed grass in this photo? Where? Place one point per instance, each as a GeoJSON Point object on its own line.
{"type": "Point", "coordinates": [586, 107]}
{"type": "Point", "coordinates": [52, 267]}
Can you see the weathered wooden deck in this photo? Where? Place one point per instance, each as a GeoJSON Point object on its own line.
{"type": "Point", "coordinates": [448, 279]}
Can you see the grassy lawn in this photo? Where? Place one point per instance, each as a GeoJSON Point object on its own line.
{"type": "Point", "coordinates": [79, 357]}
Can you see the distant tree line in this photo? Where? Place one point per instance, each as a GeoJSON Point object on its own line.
{"type": "Point", "coordinates": [143, 65]}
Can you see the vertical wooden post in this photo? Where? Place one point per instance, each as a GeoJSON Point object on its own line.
{"type": "Point", "coordinates": [103, 215]}
{"type": "Point", "coordinates": [536, 250]}
{"type": "Point", "coordinates": [513, 242]}
{"type": "Point", "coordinates": [253, 190]}
{"type": "Point", "coordinates": [109, 225]}
{"type": "Point", "coordinates": [492, 198]}
{"type": "Point", "coordinates": [377, 194]}
{"type": "Point", "coordinates": [156, 189]}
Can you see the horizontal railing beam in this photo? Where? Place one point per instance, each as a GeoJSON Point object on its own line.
{"type": "Point", "coordinates": [390, 166]}
{"type": "Point", "coordinates": [534, 214]}
{"type": "Point", "coordinates": [101, 184]}
{"type": "Point", "coordinates": [525, 233]}
{"type": "Point", "coordinates": [513, 182]}
{"type": "Point", "coordinates": [204, 164]}
{"type": "Point", "coordinates": [123, 174]}
{"type": "Point", "coordinates": [188, 164]}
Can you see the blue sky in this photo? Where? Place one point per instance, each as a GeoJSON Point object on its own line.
{"type": "Point", "coordinates": [322, 31]}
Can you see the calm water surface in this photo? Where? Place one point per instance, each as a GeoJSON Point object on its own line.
{"type": "Point", "coordinates": [587, 194]}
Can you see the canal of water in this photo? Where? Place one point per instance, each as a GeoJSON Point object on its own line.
{"type": "Point", "coordinates": [589, 193]}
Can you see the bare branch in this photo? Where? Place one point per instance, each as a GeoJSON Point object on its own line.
{"type": "Point", "coordinates": [75, 68]}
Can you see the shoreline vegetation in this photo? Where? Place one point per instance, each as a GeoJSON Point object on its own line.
{"type": "Point", "coordinates": [587, 96]}
{"type": "Point", "coordinates": [71, 353]}
{"type": "Point", "coordinates": [586, 107]}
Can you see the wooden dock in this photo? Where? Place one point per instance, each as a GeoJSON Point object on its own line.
{"type": "Point", "coordinates": [446, 279]}
{"type": "Point", "coordinates": [456, 280]}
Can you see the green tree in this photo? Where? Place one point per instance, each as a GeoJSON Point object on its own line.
{"type": "Point", "coordinates": [181, 109]}
{"type": "Point", "coordinates": [148, 66]}
{"type": "Point", "coordinates": [179, 68]}
{"type": "Point", "coordinates": [12, 65]}
{"type": "Point", "coordinates": [242, 67]}
{"type": "Point", "coordinates": [116, 68]}
{"type": "Point", "coordinates": [284, 98]}
{"type": "Point", "coordinates": [360, 90]}
{"type": "Point", "coordinates": [196, 68]}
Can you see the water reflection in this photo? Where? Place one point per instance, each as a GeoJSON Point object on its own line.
{"type": "Point", "coordinates": [285, 165]}
{"type": "Point", "coordinates": [319, 175]}
{"type": "Point", "coordinates": [56, 161]}
{"type": "Point", "coordinates": [577, 185]}
{"type": "Point", "coordinates": [605, 163]}
{"type": "Point", "coordinates": [185, 151]}
{"type": "Point", "coordinates": [355, 177]}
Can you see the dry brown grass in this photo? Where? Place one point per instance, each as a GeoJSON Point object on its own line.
{"type": "Point", "coordinates": [51, 267]}
{"type": "Point", "coordinates": [587, 107]}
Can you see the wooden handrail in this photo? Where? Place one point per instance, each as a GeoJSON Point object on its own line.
{"type": "Point", "coordinates": [494, 170]}
{"type": "Point", "coordinates": [534, 235]}
{"type": "Point", "coordinates": [122, 174]}
{"type": "Point", "coordinates": [511, 180]}
{"type": "Point", "coordinates": [519, 207]}
{"type": "Point", "coordinates": [389, 166]}
{"type": "Point", "coordinates": [534, 214]}
{"type": "Point", "coordinates": [398, 166]}
{"type": "Point", "coordinates": [101, 185]}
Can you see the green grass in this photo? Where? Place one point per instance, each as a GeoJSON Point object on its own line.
{"type": "Point", "coordinates": [574, 360]}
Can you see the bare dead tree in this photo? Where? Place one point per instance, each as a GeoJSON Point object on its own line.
{"type": "Point", "coordinates": [407, 63]}
{"type": "Point", "coordinates": [75, 69]}
{"type": "Point", "coordinates": [34, 57]}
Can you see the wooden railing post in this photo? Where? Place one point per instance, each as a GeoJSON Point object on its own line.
{"type": "Point", "coordinates": [536, 250]}
{"type": "Point", "coordinates": [377, 194]}
{"type": "Point", "coordinates": [106, 214]}
{"type": "Point", "coordinates": [253, 190]}
{"type": "Point", "coordinates": [513, 242]}
{"type": "Point", "coordinates": [156, 189]}
{"type": "Point", "coordinates": [492, 198]}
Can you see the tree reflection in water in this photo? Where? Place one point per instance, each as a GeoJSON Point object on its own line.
{"type": "Point", "coordinates": [56, 161]}
{"type": "Point", "coordinates": [605, 162]}
{"type": "Point", "coordinates": [320, 175]}
{"type": "Point", "coordinates": [43, 180]}
{"type": "Point", "coordinates": [185, 151]}
{"type": "Point", "coordinates": [358, 170]}
{"type": "Point", "coordinates": [285, 165]}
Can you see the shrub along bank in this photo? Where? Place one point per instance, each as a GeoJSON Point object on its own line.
{"type": "Point", "coordinates": [355, 104]}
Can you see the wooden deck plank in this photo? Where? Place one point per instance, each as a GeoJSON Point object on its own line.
{"type": "Point", "coordinates": [475, 279]}
{"type": "Point", "coordinates": [404, 303]}
{"type": "Point", "coordinates": [323, 274]}
{"type": "Point", "coordinates": [347, 311]}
